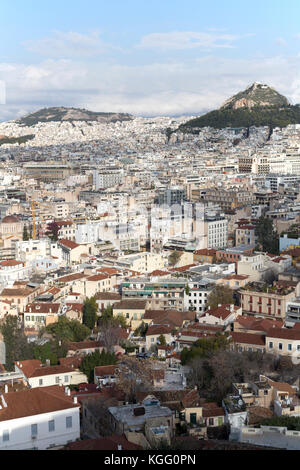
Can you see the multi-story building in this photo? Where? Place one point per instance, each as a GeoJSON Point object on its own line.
{"type": "Point", "coordinates": [268, 302]}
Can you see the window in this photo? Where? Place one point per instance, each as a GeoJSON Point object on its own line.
{"type": "Point", "coordinates": [289, 347]}
{"type": "Point", "coordinates": [57, 380]}
{"type": "Point", "coordinates": [34, 430]}
{"type": "Point", "coordinates": [280, 346]}
{"type": "Point", "coordinates": [66, 378]}
{"type": "Point", "coordinates": [5, 436]}
{"type": "Point", "coordinates": [211, 421]}
{"type": "Point", "coordinates": [270, 345]}
{"type": "Point", "coordinates": [51, 425]}
{"type": "Point", "coordinates": [40, 382]}
{"type": "Point", "coordinates": [69, 421]}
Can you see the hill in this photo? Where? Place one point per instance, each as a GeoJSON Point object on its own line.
{"type": "Point", "coordinates": [258, 105]}
{"type": "Point", "coordinates": [62, 114]}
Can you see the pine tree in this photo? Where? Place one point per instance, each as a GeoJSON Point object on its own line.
{"type": "Point", "coordinates": [25, 234]}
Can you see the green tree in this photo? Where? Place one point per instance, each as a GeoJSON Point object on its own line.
{"type": "Point", "coordinates": [16, 344]}
{"type": "Point", "coordinates": [220, 295]}
{"type": "Point", "coordinates": [267, 236]}
{"type": "Point", "coordinates": [90, 309]}
{"type": "Point", "coordinates": [162, 340]}
{"type": "Point", "coordinates": [52, 350]}
{"type": "Point", "coordinates": [187, 289]}
{"type": "Point", "coordinates": [95, 359]}
{"type": "Point", "coordinates": [25, 234]}
{"type": "Point", "coordinates": [107, 317]}
{"type": "Point", "coordinates": [204, 348]}
{"type": "Point", "coordinates": [174, 258]}
{"type": "Point", "coordinates": [68, 330]}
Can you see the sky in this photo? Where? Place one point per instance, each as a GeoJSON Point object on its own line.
{"type": "Point", "coordinates": [144, 57]}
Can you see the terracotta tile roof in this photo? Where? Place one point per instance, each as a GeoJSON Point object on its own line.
{"type": "Point", "coordinates": [169, 317]}
{"type": "Point", "coordinates": [34, 368]}
{"type": "Point", "coordinates": [284, 333]}
{"type": "Point", "coordinates": [248, 338]}
{"type": "Point", "coordinates": [283, 387]}
{"type": "Point", "coordinates": [71, 277]}
{"type": "Point", "coordinates": [158, 330]}
{"type": "Point", "coordinates": [10, 263]}
{"type": "Point", "coordinates": [219, 312]}
{"type": "Point", "coordinates": [35, 401]}
{"type": "Point", "coordinates": [71, 362]}
{"type": "Point", "coordinates": [205, 252]}
{"type": "Point", "coordinates": [68, 244]}
{"type": "Point", "coordinates": [109, 271]}
{"type": "Point", "coordinates": [42, 307]}
{"type": "Point", "coordinates": [17, 292]}
{"type": "Point", "coordinates": [108, 296]}
{"type": "Point", "coordinates": [97, 277]}
{"type": "Point", "coordinates": [101, 371]}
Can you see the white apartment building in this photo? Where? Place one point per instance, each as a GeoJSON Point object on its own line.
{"type": "Point", "coordinates": [197, 296]}
{"type": "Point", "coordinates": [38, 419]}
{"type": "Point", "coordinates": [107, 179]}
{"type": "Point", "coordinates": [217, 233]}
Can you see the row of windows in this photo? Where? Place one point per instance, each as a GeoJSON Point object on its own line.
{"type": "Point", "coordinates": [34, 428]}
{"type": "Point", "coordinates": [280, 346]}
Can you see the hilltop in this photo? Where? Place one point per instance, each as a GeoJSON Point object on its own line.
{"type": "Point", "coordinates": [61, 114]}
{"type": "Point", "coordinates": [258, 105]}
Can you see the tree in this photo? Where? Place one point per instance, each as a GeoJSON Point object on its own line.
{"type": "Point", "coordinates": [174, 258]}
{"type": "Point", "coordinates": [25, 234]}
{"type": "Point", "coordinates": [214, 374]}
{"type": "Point", "coordinates": [162, 340]}
{"type": "Point", "coordinates": [52, 350]}
{"type": "Point", "coordinates": [204, 348]}
{"type": "Point", "coordinates": [90, 309]}
{"type": "Point", "coordinates": [110, 335]}
{"type": "Point", "coordinates": [16, 344]}
{"type": "Point", "coordinates": [134, 376]}
{"type": "Point", "coordinates": [267, 236]}
{"type": "Point", "coordinates": [107, 317]}
{"type": "Point", "coordinates": [220, 295]}
{"type": "Point", "coordinates": [52, 231]}
{"type": "Point", "coordinates": [68, 330]}
{"type": "Point", "coordinates": [95, 359]}
{"type": "Point", "coordinates": [187, 289]}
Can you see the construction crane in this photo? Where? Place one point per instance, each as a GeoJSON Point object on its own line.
{"type": "Point", "coordinates": [35, 204]}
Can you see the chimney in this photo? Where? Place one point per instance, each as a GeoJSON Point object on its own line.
{"type": "Point", "coordinates": [75, 401]}
{"type": "Point", "coordinates": [5, 388]}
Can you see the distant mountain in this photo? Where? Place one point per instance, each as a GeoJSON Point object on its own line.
{"type": "Point", "coordinates": [62, 114]}
{"type": "Point", "coordinates": [256, 94]}
{"type": "Point", "coordinates": [258, 105]}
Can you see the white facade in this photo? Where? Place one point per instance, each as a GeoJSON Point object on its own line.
{"type": "Point", "coordinates": [40, 432]}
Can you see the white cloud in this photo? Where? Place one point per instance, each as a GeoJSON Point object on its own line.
{"type": "Point", "coordinates": [179, 87]}
{"type": "Point", "coordinates": [178, 40]}
{"type": "Point", "coordinates": [70, 44]}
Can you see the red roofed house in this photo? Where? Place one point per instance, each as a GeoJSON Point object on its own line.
{"type": "Point", "coordinates": [38, 419]}
{"type": "Point", "coordinates": [38, 375]}
{"type": "Point", "coordinates": [12, 270]}
{"type": "Point", "coordinates": [72, 251]}
{"type": "Point", "coordinates": [154, 332]}
{"type": "Point", "coordinates": [222, 315]}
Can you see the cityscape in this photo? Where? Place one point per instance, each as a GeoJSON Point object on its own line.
{"type": "Point", "coordinates": [149, 261]}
